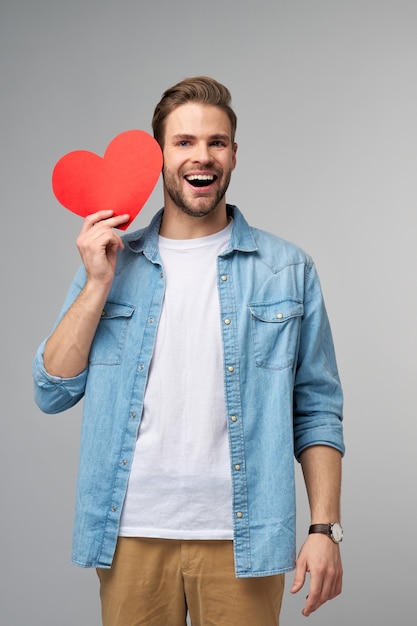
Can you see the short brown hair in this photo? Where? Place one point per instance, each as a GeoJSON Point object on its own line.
{"type": "Point", "coordinates": [198, 89]}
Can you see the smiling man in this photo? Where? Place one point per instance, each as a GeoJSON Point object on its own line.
{"type": "Point", "coordinates": [203, 352]}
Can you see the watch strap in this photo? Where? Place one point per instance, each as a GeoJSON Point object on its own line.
{"type": "Point", "coordinates": [324, 529]}
{"type": "Point", "coordinates": [332, 530]}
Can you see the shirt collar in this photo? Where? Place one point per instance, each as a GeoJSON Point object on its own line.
{"type": "Point", "coordinates": [146, 239]}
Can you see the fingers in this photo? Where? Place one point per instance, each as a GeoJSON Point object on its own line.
{"type": "Point", "coordinates": [104, 216]}
{"type": "Point", "coordinates": [323, 587]}
{"type": "Point", "coordinates": [97, 230]}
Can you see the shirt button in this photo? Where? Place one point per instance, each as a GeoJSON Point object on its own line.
{"type": "Point", "coordinates": [223, 278]}
{"type": "Point", "coordinates": [227, 322]}
{"type": "Point", "coordinates": [114, 508]}
{"type": "Point", "coordinates": [237, 467]}
{"type": "Point", "coordinates": [103, 313]}
{"type": "Point", "coordinates": [150, 320]}
{"type": "Point", "coordinates": [141, 366]}
{"type": "Point", "coordinates": [124, 461]}
{"type": "Point", "coordinates": [280, 316]}
{"type": "Point", "coordinates": [231, 368]}
{"type": "Point", "coordinates": [239, 514]}
{"type": "Point", "coordinates": [133, 415]}
{"type": "Point", "coordinates": [234, 418]}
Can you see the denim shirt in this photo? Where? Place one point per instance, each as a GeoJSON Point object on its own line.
{"type": "Point", "coordinates": [282, 389]}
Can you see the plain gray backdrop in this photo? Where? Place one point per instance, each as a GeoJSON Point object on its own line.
{"type": "Point", "coordinates": [326, 97]}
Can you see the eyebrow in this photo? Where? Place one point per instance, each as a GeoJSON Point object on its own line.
{"type": "Point", "coordinates": [182, 136]}
{"type": "Point", "coordinates": [217, 136]}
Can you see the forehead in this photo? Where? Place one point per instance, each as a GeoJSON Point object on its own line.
{"type": "Point", "coordinates": [195, 118]}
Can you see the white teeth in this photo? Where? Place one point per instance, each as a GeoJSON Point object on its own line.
{"type": "Point", "coordinates": [200, 177]}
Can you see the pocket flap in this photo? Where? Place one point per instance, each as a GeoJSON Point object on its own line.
{"type": "Point", "coordinates": [116, 309]}
{"type": "Point", "coordinates": [277, 312]}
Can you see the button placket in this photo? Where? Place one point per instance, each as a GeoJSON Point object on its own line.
{"type": "Point", "coordinates": [229, 319]}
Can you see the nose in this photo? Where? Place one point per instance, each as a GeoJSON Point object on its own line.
{"type": "Point", "coordinates": [202, 153]}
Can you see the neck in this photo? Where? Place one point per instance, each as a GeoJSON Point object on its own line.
{"type": "Point", "coordinates": [179, 225]}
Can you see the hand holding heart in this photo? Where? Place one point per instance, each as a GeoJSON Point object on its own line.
{"type": "Point", "coordinates": [121, 181]}
{"type": "Point", "coordinates": [98, 244]}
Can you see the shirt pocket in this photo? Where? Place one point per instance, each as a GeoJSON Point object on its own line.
{"type": "Point", "coordinates": [275, 332]}
{"type": "Point", "coordinates": [109, 340]}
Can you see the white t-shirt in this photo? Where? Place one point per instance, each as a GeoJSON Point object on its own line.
{"type": "Point", "coordinates": [180, 481]}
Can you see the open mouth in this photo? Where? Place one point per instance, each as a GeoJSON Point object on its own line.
{"type": "Point", "coordinates": [201, 180]}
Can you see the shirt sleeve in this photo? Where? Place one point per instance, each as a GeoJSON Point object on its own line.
{"type": "Point", "coordinates": [54, 394]}
{"type": "Point", "coordinates": [318, 396]}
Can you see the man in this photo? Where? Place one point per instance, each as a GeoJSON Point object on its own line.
{"type": "Point", "coordinates": [203, 352]}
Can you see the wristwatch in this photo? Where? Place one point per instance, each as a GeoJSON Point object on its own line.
{"type": "Point", "coordinates": [333, 530]}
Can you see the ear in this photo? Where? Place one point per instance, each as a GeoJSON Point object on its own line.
{"type": "Point", "coordinates": [234, 155]}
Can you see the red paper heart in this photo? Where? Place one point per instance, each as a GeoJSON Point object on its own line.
{"type": "Point", "coordinates": [122, 180]}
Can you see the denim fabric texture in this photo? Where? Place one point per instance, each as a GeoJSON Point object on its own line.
{"type": "Point", "coordinates": [283, 392]}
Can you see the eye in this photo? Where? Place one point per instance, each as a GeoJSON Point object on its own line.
{"type": "Point", "coordinates": [218, 143]}
{"type": "Point", "coordinates": [183, 143]}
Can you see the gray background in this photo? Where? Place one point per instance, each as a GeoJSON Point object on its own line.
{"type": "Point", "coordinates": [326, 96]}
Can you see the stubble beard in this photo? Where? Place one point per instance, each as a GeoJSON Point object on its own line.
{"type": "Point", "coordinates": [201, 206]}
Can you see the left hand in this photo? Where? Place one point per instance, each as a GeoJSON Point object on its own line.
{"type": "Point", "coordinates": [319, 556]}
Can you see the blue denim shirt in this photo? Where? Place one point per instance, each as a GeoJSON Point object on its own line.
{"type": "Point", "coordinates": [282, 389]}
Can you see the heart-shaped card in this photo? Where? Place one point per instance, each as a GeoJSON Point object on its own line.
{"type": "Point", "coordinates": [122, 180]}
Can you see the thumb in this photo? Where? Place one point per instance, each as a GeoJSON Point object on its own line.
{"type": "Point", "coordinates": [299, 579]}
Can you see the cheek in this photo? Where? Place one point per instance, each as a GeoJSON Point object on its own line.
{"type": "Point", "coordinates": [174, 165]}
{"type": "Point", "coordinates": [230, 165]}
{"type": "Point", "coordinates": [232, 162]}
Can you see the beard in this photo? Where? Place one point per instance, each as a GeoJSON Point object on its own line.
{"type": "Point", "coordinates": [196, 207]}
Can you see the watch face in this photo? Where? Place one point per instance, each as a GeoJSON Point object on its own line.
{"type": "Point", "coordinates": [336, 532]}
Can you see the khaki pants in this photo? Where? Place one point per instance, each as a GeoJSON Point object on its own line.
{"type": "Point", "coordinates": [153, 582]}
